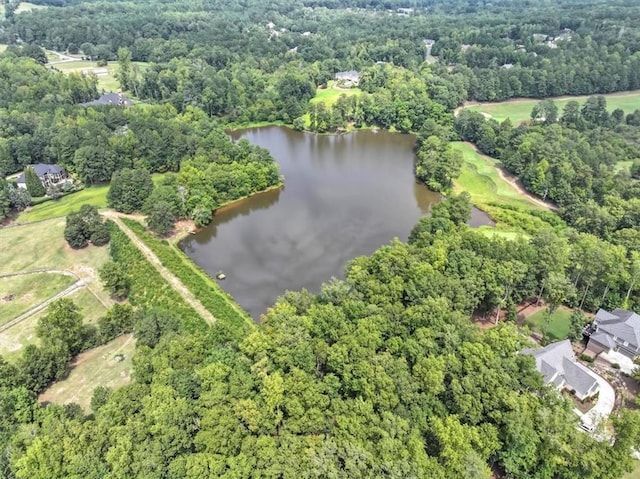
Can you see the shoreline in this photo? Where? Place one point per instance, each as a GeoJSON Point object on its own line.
{"type": "Point", "coordinates": [183, 233]}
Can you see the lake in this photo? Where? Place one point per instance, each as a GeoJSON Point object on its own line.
{"type": "Point", "coordinates": [344, 196]}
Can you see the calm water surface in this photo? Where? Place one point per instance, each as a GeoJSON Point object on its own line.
{"type": "Point", "coordinates": [344, 196]}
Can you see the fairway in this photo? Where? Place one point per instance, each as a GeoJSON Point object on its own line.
{"type": "Point", "coordinates": [519, 110]}
{"type": "Point", "coordinates": [480, 178]}
{"type": "Point", "coordinates": [109, 365]}
{"type": "Point", "coordinates": [18, 294]}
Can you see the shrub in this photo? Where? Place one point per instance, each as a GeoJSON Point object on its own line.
{"type": "Point", "coordinates": [586, 358]}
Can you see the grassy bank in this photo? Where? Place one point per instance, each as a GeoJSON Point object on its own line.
{"type": "Point", "coordinates": [512, 209]}
{"type": "Point", "coordinates": [212, 297]}
{"type": "Point", "coordinates": [91, 195]}
{"type": "Point", "coordinates": [519, 110]}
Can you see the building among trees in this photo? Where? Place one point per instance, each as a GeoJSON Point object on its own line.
{"type": "Point", "coordinates": [50, 175]}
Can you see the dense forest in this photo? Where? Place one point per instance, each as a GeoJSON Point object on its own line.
{"type": "Point", "coordinates": [381, 374]}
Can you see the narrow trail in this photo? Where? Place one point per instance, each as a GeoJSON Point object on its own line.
{"type": "Point", "coordinates": [164, 272]}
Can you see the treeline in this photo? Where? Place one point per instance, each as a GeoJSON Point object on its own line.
{"type": "Point", "coordinates": [572, 162]}
{"type": "Point", "coordinates": [381, 374]}
{"type": "Point", "coordinates": [502, 50]}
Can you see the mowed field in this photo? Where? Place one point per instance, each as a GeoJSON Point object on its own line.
{"type": "Point", "coordinates": [18, 294]}
{"type": "Point", "coordinates": [519, 110]}
{"type": "Point", "coordinates": [23, 7]}
{"type": "Point", "coordinates": [329, 96]}
{"type": "Point", "coordinates": [91, 306]}
{"type": "Point", "coordinates": [109, 365]}
{"type": "Point", "coordinates": [106, 75]}
{"type": "Point", "coordinates": [91, 195]}
{"type": "Point", "coordinates": [480, 178]}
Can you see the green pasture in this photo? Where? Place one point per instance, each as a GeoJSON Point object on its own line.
{"type": "Point", "coordinates": [519, 110]}
{"type": "Point", "coordinates": [106, 82]}
{"type": "Point", "coordinates": [18, 294]}
{"type": "Point", "coordinates": [14, 339]}
{"type": "Point", "coordinates": [559, 324]}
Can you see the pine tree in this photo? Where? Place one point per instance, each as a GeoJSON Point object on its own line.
{"type": "Point", "coordinates": [34, 185]}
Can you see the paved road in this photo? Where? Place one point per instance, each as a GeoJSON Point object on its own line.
{"type": "Point", "coordinates": [166, 274]}
{"type": "Point", "coordinates": [602, 409]}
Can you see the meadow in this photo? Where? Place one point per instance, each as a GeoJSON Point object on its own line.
{"type": "Point", "coordinates": [18, 294]}
{"type": "Point", "coordinates": [519, 110]}
{"type": "Point", "coordinates": [109, 365]}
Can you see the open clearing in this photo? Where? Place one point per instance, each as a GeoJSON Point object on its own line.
{"type": "Point", "coordinates": [519, 110]}
{"type": "Point", "coordinates": [558, 326]}
{"type": "Point", "coordinates": [17, 337]}
{"type": "Point", "coordinates": [329, 96]}
{"type": "Point", "coordinates": [42, 245]}
{"type": "Point", "coordinates": [106, 75]}
{"type": "Point", "coordinates": [109, 365]}
{"type": "Point", "coordinates": [20, 293]}
{"type": "Point", "coordinates": [91, 195]}
{"type": "Point", "coordinates": [480, 177]}
{"type": "Point", "coordinates": [635, 474]}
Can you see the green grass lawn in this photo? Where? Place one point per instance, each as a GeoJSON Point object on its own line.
{"type": "Point", "coordinates": [520, 110]}
{"type": "Point", "coordinates": [479, 177]}
{"type": "Point", "coordinates": [42, 245]}
{"type": "Point", "coordinates": [329, 96]}
{"type": "Point", "coordinates": [91, 195]}
{"type": "Point", "coordinates": [559, 325]}
{"type": "Point", "coordinates": [17, 337]}
{"type": "Point", "coordinates": [106, 82]}
{"type": "Point", "coordinates": [18, 294]}
{"type": "Point", "coordinates": [97, 367]}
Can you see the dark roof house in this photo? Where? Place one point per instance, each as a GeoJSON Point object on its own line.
{"type": "Point", "coordinates": [618, 330]}
{"type": "Point", "coordinates": [558, 366]}
{"type": "Point", "coordinates": [114, 99]}
{"type": "Point", "coordinates": [48, 174]}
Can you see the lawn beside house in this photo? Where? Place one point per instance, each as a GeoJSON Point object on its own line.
{"type": "Point", "coordinates": [559, 324]}
{"type": "Point", "coordinates": [91, 195]}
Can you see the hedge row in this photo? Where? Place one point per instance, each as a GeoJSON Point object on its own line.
{"type": "Point", "coordinates": [212, 297]}
{"type": "Point", "coordinates": [148, 287]}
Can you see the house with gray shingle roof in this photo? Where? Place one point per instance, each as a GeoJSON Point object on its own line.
{"type": "Point", "coordinates": [50, 175]}
{"type": "Point", "coordinates": [347, 79]}
{"type": "Point", "coordinates": [558, 366]}
{"type": "Point", "coordinates": [618, 330]}
{"type": "Point", "coordinates": [109, 99]}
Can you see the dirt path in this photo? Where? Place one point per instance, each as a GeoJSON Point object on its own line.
{"type": "Point", "coordinates": [164, 272]}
